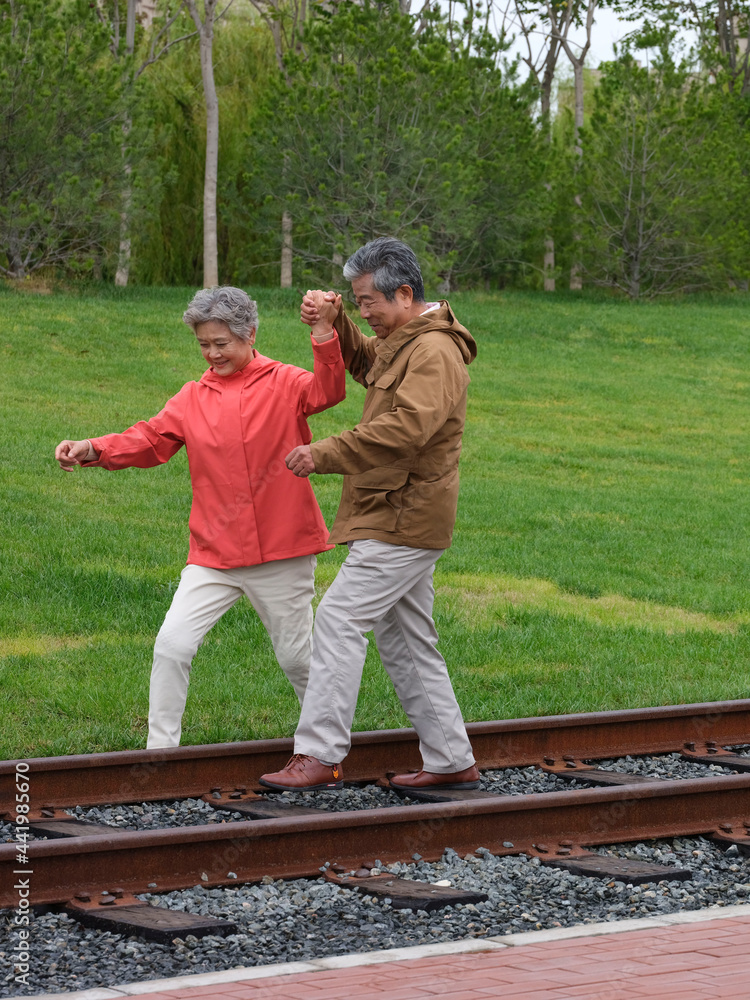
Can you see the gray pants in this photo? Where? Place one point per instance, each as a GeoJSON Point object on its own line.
{"type": "Point", "coordinates": [388, 589]}
{"type": "Point", "coordinates": [281, 593]}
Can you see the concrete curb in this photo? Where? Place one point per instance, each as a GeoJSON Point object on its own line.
{"type": "Point", "coordinates": [464, 947]}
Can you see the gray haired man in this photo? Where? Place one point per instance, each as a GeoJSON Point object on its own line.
{"type": "Point", "coordinates": [397, 511]}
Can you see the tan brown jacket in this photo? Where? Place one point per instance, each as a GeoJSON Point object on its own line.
{"type": "Point", "coordinates": [400, 463]}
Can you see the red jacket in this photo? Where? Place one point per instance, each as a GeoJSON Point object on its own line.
{"type": "Point", "coordinates": [247, 507]}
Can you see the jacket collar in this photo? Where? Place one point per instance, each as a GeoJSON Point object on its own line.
{"type": "Point", "coordinates": [440, 319]}
{"type": "Point", "coordinates": [427, 321]}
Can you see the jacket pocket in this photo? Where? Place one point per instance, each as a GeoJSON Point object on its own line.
{"type": "Point", "coordinates": [380, 395]}
{"type": "Point", "coordinates": [377, 496]}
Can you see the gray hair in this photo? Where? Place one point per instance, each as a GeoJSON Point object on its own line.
{"type": "Point", "coordinates": [391, 264]}
{"type": "Point", "coordinates": [224, 304]}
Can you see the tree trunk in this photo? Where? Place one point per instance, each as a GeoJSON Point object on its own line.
{"type": "Point", "coordinates": [122, 275]}
{"type": "Point", "coordinates": [17, 268]}
{"type": "Point", "coordinates": [635, 277]}
{"type": "Point", "coordinates": [544, 81]}
{"type": "Point", "coordinates": [578, 81]}
{"type": "Point", "coordinates": [338, 264]}
{"type": "Point", "coordinates": [549, 264]}
{"type": "Point", "coordinates": [286, 250]}
{"type": "Point", "coordinates": [123, 258]}
{"type": "Point", "coordinates": [210, 244]}
{"type": "Point", "coordinates": [576, 281]}
{"type": "Point", "coordinates": [547, 79]}
{"type": "Point", "coordinates": [444, 288]}
{"type": "Point", "coordinates": [561, 25]}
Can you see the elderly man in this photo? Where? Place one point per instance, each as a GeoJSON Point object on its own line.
{"type": "Point", "coordinates": [398, 507]}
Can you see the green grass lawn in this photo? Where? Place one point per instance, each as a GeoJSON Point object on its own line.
{"type": "Point", "coordinates": [600, 558]}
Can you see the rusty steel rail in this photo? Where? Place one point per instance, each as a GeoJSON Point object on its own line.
{"type": "Point", "coordinates": [167, 859]}
{"type": "Point", "coordinates": [150, 775]}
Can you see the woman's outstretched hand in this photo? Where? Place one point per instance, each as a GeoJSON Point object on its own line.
{"type": "Point", "coordinates": [72, 453]}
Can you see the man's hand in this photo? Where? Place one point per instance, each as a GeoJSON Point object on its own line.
{"type": "Point", "coordinates": [319, 310]}
{"type": "Point", "coordinates": [72, 453]}
{"type": "Point", "coordinates": [300, 461]}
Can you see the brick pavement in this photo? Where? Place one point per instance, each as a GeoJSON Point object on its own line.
{"type": "Point", "coordinates": [691, 956]}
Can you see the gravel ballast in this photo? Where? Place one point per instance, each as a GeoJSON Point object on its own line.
{"type": "Point", "coordinates": [312, 918]}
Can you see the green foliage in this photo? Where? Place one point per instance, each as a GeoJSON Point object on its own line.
{"type": "Point", "coordinates": [378, 129]}
{"type": "Point", "coordinates": [168, 246]}
{"type": "Point", "coordinates": [373, 123]}
{"type": "Point", "coordinates": [664, 178]}
{"type": "Point", "coordinates": [722, 30]}
{"type": "Point", "coordinates": [61, 116]}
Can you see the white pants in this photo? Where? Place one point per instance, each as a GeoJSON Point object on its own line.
{"type": "Point", "coordinates": [389, 589]}
{"type": "Point", "coordinates": [281, 593]}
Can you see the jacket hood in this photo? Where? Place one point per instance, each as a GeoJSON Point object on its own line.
{"type": "Point", "coordinates": [439, 320]}
{"type": "Point", "coordinates": [255, 369]}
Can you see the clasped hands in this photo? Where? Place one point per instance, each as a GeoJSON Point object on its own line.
{"type": "Point", "coordinates": [319, 310]}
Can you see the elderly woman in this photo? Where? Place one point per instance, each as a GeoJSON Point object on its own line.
{"type": "Point", "coordinates": [254, 527]}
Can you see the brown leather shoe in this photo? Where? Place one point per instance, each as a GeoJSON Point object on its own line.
{"type": "Point", "coordinates": [468, 778]}
{"type": "Point", "coordinates": [303, 773]}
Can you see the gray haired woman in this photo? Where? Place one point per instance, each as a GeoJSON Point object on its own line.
{"type": "Point", "coordinates": [255, 528]}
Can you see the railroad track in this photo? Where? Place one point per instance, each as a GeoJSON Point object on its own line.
{"type": "Point", "coordinates": [98, 870]}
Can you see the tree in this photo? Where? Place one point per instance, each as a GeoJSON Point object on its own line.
{"type": "Point", "coordinates": [285, 19]}
{"type": "Point", "coordinates": [542, 65]}
{"type": "Point", "coordinates": [155, 42]}
{"type": "Point", "coordinates": [123, 257]}
{"type": "Point", "coordinates": [665, 192]}
{"type": "Point", "coordinates": [722, 27]}
{"type": "Point", "coordinates": [376, 129]}
{"type": "Point", "coordinates": [61, 113]}
{"type": "Point", "coordinates": [205, 29]}
{"type": "Point", "coordinates": [168, 239]}
{"type": "Point", "coordinates": [561, 14]}
{"type": "Point", "coordinates": [553, 21]}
